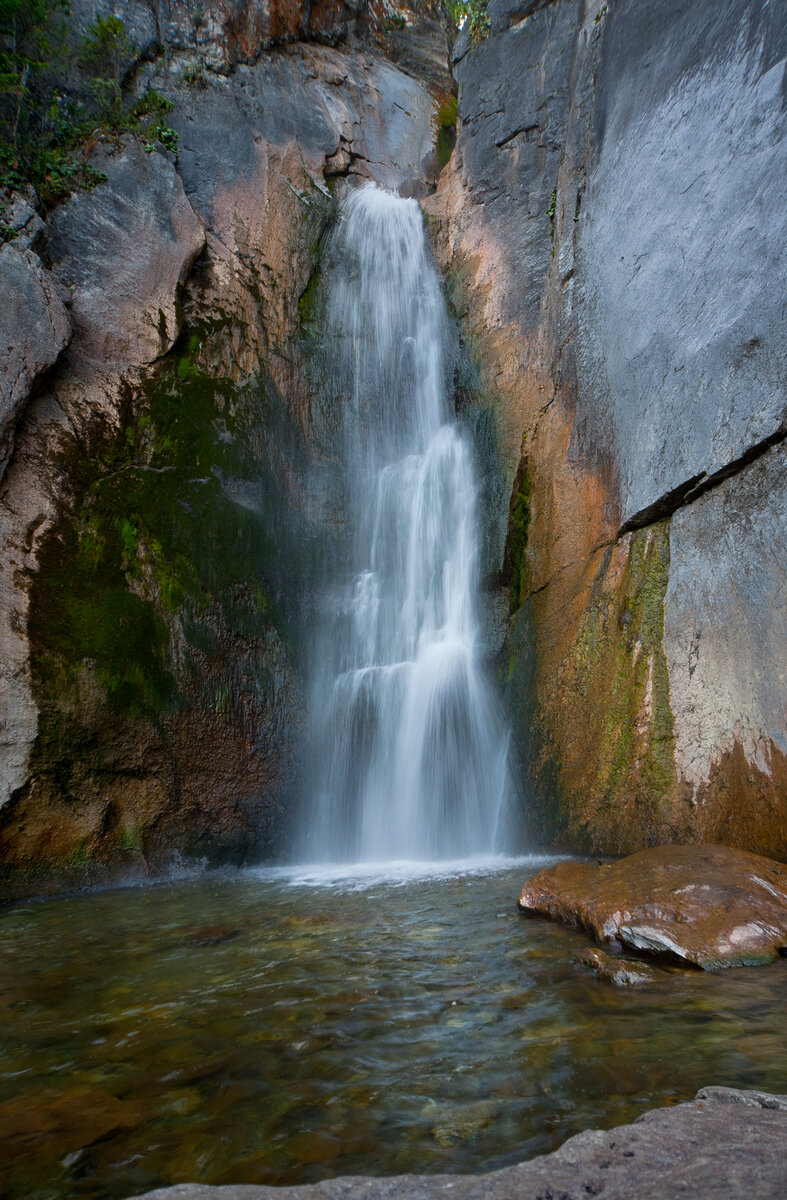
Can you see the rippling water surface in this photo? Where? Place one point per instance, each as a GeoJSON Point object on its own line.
{"type": "Point", "coordinates": [277, 1027]}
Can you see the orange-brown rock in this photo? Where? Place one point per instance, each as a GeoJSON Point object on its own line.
{"type": "Point", "coordinates": [709, 906]}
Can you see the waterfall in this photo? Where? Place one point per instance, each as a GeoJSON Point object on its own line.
{"type": "Point", "coordinates": [410, 750]}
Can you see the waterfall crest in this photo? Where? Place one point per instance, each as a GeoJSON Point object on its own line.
{"type": "Point", "coordinates": [410, 746]}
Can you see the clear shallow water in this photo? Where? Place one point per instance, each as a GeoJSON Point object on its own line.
{"type": "Point", "coordinates": [275, 1027]}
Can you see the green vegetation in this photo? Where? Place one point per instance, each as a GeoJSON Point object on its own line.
{"type": "Point", "coordinates": [446, 136]}
{"type": "Point", "coordinates": [518, 524]}
{"type": "Point", "coordinates": [474, 12]}
{"type": "Point", "coordinates": [622, 669]}
{"type": "Point", "coordinates": [57, 98]}
{"type": "Point", "coordinates": [129, 838]}
{"type": "Point", "coordinates": [155, 548]}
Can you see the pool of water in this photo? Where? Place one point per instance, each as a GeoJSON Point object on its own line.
{"type": "Point", "coordinates": [275, 1027]}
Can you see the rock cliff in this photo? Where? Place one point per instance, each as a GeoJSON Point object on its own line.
{"type": "Point", "coordinates": [611, 228]}
{"type": "Point", "coordinates": [157, 429]}
{"type": "Point", "coordinates": [611, 223]}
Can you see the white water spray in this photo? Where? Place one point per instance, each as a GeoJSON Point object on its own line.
{"type": "Point", "coordinates": [412, 751]}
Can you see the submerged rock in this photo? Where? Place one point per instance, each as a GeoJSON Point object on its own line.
{"type": "Point", "coordinates": [706, 905]}
{"type": "Point", "coordinates": [623, 972]}
{"type": "Point", "coordinates": [724, 1144]}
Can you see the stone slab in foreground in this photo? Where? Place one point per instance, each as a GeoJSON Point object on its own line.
{"type": "Point", "coordinates": [724, 1145]}
{"type": "Point", "coordinates": [710, 906]}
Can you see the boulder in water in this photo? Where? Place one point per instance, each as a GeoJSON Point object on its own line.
{"type": "Point", "coordinates": [709, 906]}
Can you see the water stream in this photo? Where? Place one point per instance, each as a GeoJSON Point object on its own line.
{"type": "Point", "coordinates": [277, 1027]}
{"type": "Point", "coordinates": [411, 760]}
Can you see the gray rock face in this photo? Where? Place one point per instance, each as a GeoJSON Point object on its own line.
{"type": "Point", "coordinates": [683, 346]}
{"type": "Point", "coordinates": [363, 116]}
{"type": "Point", "coordinates": [34, 328]}
{"type": "Point", "coordinates": [225, 33]}
{"type": "Point", "coordinates": [725, 624]}
{"type": "Point", "coordinates": [123, 250]}
{"type": "Point", "coordinates": [724, 1145]}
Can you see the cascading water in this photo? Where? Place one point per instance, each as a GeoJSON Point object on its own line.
{"type": "Point", "coordinates": [411, 751]}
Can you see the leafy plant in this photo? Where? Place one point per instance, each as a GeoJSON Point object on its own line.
{"type": "Point", "coordinates": [44, 128]}
{"type": "Point", "coordinates": [474, 14]}
{"type": "Point", "coordinates": [104, 48]}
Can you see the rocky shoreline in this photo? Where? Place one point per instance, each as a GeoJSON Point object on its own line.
{"type": "Point", "coordinates": [724, 1144]}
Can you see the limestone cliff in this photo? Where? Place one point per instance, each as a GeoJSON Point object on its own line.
{"type": "Point", "coordinates": [157, 427]}
{"type": "Point", "coordinates": [613, 224]}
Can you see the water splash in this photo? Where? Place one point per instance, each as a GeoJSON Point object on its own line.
{"type": "Point", "coordinates": [411, 747]}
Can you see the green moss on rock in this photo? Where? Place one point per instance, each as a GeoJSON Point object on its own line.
{"type": "Point", "coordinates": [514, 563]}
{"type": "Point", "coordinates": [621, 684]}
{"type": "Point", "coordinates": [155, 535]}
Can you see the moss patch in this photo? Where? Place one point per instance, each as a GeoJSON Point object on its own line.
{"type": "Point", "coordinates": [446, 132]}
{"type": "Point", "coordinates": [514, 563]}
{"type": "Point", "coordinates": [620, 775]}
{"type": "Point", "coordinates": [156, 543]}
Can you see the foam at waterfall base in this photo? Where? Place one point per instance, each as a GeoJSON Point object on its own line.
{"type": "Point", "coordinates": [360, 876]}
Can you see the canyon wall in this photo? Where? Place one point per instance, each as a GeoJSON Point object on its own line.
{"type": "Point", "coordinates": [611, 228]}
{"type": "Point", "coordinates": [612, 225]}
{"type": "Point", "coordinates": [158, 431]}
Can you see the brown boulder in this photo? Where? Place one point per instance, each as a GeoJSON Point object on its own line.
{"type": "Point", "coordinates": [710, 906]}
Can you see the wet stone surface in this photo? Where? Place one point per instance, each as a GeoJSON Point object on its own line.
{"type": "Point", "coordinates": [704, 906]}
{"type": "Point", "coordinates": [259, 1029]}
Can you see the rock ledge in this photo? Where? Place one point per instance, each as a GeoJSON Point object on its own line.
{"type": "Point", "coordinates": [723, 1145]}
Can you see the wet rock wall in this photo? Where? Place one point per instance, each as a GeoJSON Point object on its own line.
{"type": "Point", "coordinates": [158, 431]}
{"type": "Point", "coordinates": [612, 226]}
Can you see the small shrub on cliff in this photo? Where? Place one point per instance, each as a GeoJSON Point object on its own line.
{"type": "Point", "coordinates": [474, 14]}
{"type": "Point", "coordinates": [55, 100]}
{"type": "Point", "coordinates": [32, 41]}
{"type": "Point", "coordinates": [104, 48]}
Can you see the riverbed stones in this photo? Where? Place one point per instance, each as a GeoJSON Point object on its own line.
{"type": "Point", "coordinates": [708, 906]}
{"type": "Point", "coordinates": [623, 972]}
{"type": "Point", "coordinates": [723, 1145]}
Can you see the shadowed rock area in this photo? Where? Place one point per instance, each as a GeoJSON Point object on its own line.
{"type": "Point", "coordinates": [708, 906]}
{"type": "Point", "coordinates": [724, 1145]}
